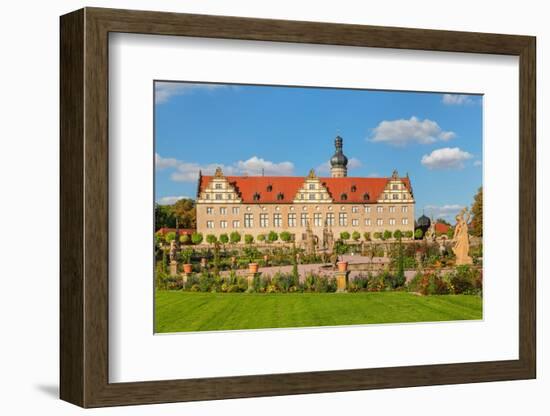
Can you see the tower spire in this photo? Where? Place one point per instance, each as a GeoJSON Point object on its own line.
{"type": "Point", "coordinates": [338, 162]}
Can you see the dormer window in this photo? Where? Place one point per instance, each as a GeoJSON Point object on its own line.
{"type": "Point", "coordinates": [256, 196]}
{"type": "Point", "coordinates": [353, 188]}
{"type": "Point", "coordinates": [269, 188]}
{"type": "Point", "coordinates": [280, 196]}
{"type": "Point", "coordinates": [366, 196]}
{"type": "Point", "coordinates": [344, 197]}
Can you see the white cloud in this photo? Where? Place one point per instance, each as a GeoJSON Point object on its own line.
{"type": "Point", "coordinates": [477, 163]}
{"type": "Point", "coordinates": [166, 90]}
{"type": "Point", "coordinates": [456, 99]}
{"type": "Point", "coordinates": [448, 211]}
{"type": "Point", "coordinates": [324, 169]}
{"type": "Point", "coordinates": [446, 158]}
{"type": "Point", "coordinates": [189, 171]}
{"type": "Point", "coordinates": [163, 163]}
{"type": "Point", "coordinates": [402, 132]}
{"type": "Point", "coordinates": [170, 200]}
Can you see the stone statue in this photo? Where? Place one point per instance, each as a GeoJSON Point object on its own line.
{"type": "Point", "coordinates": [310, 240]}
{"type": "Point", "coordinates": [173, 249]}
{"type": "Point", "coordinates": [430, 233]}
{"type": "Point", "coordinates": [461, 239]}
{"type": "Point", "coordinates": [328, 239]}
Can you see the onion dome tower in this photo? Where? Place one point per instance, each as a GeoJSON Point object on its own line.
{"type": "Point", "coordinates": [423, 223]}
{"type": "Point", "coordinates": [338, 162]}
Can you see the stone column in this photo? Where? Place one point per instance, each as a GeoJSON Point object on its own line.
{"type": "Point", "coordinates": [173, 268]}
{"type": "Point", "coordinates": [341, 281]}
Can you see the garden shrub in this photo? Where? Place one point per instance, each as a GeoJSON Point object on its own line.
{"type": "Point", "coordinates": [463, 280]}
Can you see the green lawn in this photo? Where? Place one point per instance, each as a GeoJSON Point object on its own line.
{"type": "Point", "coordinates": [184, 311]}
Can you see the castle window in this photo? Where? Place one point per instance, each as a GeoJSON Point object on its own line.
{"type": "Point", "coordinates": [280, 196]}
{"type": "Point", "coordinates": [366, 196]}
{"type": "Point", "coordinates": [395, 196]}
{"type": "Point", "coordinates": [392, 209]}
{"type": "Point", "coordinates": [343, 219]}
{"type": "Point", "coordinates": [367, 210]}
{"type": "Point", "coordinates": [223, 210]}
{"type": "Point", "coordinates": [292, 220]}
{"type": "Point", "coordinates": [379, 221]}
{"type": "Point", "coordinates": [303, 219]}
{"type": "Point", "coordinates": [218, 186]}
{"type": "Point", "coordinates": [264, 222]}
{"type": "Point", "coordinates": [219, 196]}
{"type": "Point", "coordinates": [256, 196]}
{"type": "Point", "coordinates": [236, 224]}
{"type": "Point", "coordinates": [206, 196]}
{"type": "Point", "coordinates": [355, 222]}
{"type": "Point", "coordinates": [392, 221]}
{"type": "Point", "coordinates": [395, 187]}
{"type": "Point", "coordinates": [312, 186]}
{"type": "Point", "coordinates": [404, 209]}
{"type": "Point", "coordinates": [235, 210]}
{"type": "Point", "coordinates": [223, 224]}
{"type": "Point", "coordinates": [379, 209]}
{"type": "Point", "coordinates": [367, 222]}
{"type": "Point", "coordinates": [277, 220]}
{"type": "Point", "coordinates": [248, 220]}
{"type": "Point", "coordinates": [405, 221]}
{"type": "Point", "coordinates": [344, 197]}
{"type": "Point", "coordinates": [209, 224]}
{"type": "Point", "coordinates": [330, 219]}
{"type": "Point", "coordinates": [353, 188]}
{"type": "Point", "coordinates": [318, 219]}
{"type": "Point", "coordinates": [311, 197]}
{"type": "Point", "coordinates": [269, 188]}
{"type": "Point", "coordinates": [209, 210]}
{"type": "Point", "coordinates": [355, 209]}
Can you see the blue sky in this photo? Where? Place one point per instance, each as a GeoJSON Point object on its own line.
{"type": "Point", "coordinates": [435, 137]}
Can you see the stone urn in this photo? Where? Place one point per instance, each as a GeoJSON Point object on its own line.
{"type": "Point", "coordinates": [253, 268]}
{"type": "Point", "coordinates": [342, 266]}
{"type": "Point", "coordinates": [187, 268]}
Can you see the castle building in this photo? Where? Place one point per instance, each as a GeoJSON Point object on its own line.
{"type": "Point", "coordinates": [259, 204]}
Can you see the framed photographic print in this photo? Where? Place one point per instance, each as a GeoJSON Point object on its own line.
{"type": "Point", "coordinates": [256, 207]}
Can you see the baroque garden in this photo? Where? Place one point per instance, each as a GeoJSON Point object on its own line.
{"type": "Point", "coordinates": [273, 251]}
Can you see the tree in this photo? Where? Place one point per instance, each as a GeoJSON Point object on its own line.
{"type": "Point", "coordinates": [450, 233]}
{"type": "Point", "coordinates": [397, 234]}
{"type": "Point", "coordinates": [184, 238]}
{"type": "Point", "coordinates": [387, 234]}
{"type": "Point", "coordinates": [366, 236]}
{"type": "Point", "coordinates": [211, 239]}
{"type": "Point", "coordinates": [477, 214]}
{"type": "Point", "coordinates": [169, 237]}
{"type": "Point", "coordinates": [408, 234]}
{"type": "Point", "coordinates": [286, 236]}
{"type": "Point", "coordinates": [224, 238]}
{"type": "Point", "coordinates": [272, 236]}
{"type": "Point", "coordinates": [196, 238]}
{"type": "Point", "coordinates": [355, 236]}
{"type": "Point", "coordinates": [164, 217]}
{"type": "Point", "coordinates": [378, 235]}
{"type": "Point", "coordinates": [235, 237]}
{"type": "Point", "coordinates": [418, 234]}
{"type": "Point", "coordinates": [261, 237]}
{"type": "Point", "coordinates": [344, 235]}
{"type": "Point", "coordinates": [248, 239]}
{"type": "Point", "coordinates": [185, 212]}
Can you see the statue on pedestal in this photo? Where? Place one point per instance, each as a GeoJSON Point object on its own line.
{"type": "Point", "coordinates": [328, 239]}
{"type": "Point", "coordinates": [310, 240]}
{"type": "Point", "coordinates": [461, 239]}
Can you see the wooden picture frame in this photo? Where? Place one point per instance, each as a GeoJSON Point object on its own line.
{"type": "Point", "coordinates": [84, 207]}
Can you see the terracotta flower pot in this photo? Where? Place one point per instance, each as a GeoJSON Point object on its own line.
{"type": "Point", "coordinates": [342, 266]}
{"type": "Point", "coordinates": [187, 268]}
{"type": "Point", "coordinates": [253, 267]}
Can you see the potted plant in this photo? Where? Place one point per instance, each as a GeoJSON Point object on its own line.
{"type": "Point", "coordinates": [186, 254]}
{"type": "Point", "coordinates": [253, 268]}
{"type": "Point", "coordinates": [342, 266]}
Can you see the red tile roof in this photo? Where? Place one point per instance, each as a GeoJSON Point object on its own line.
{"type": "Point", "coordinates": [288, 186]}
{"type": "Point", "coordinates": [441, 228]}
